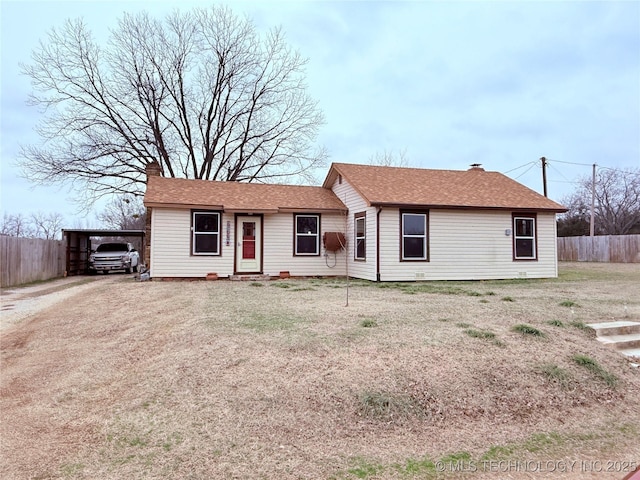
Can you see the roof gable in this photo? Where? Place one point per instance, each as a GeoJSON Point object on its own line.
{"type": "Point", "coordinates": [474, 188]}
{"type": "Point", "coordinates": [235, 196]}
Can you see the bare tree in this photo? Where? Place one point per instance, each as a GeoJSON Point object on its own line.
{"type": "Point", "coordinates": [124, 213]}
{"type": "Point", "coordinates": [200, 92]}
{"type": "Point", "coordinates": [5, 226]}
{"type": "Point", "coordinates": [47, 225]}
{"type": "Point", "coordinates": [390, 159]}
{"type": "Point", "coordinates": [617, 203]}
{"type": "Point", "coordinates": [575, 221]}
{"type": "Point", "coordinates": [16, 226]}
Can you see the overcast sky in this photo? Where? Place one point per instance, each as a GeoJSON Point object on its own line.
{"type": "Point", "coordinates": [448, 83]}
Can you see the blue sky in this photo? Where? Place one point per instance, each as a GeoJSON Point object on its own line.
{"type": "Point", "coordinates": [449, 83]}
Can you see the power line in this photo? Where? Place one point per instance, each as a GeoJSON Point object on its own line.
{"type": "Point", "coordinates": [533, 164]}
{"type": "Point", "coordinates": [561, 174]}
{"type": "Point", "coordinates": [601, 167]}
{"type": "Point", "coordinates": [563, 181]}
{"type": "Point", "coordinates": [521, 166]}
{"type": "Point", "coordinates": [571, 163]}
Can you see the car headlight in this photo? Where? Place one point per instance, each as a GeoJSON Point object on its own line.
{"type": "Point", "coordinates": [92, 258]}
{"type": "Point", "coordinates": [124, 258]}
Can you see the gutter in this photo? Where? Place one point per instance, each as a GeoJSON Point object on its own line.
{"type": "Point", "coordinates": [429, 206]}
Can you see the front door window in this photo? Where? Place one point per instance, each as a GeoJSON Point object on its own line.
{"type": "Point", "coordinates": [248, 240]}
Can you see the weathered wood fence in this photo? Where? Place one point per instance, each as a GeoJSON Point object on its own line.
{"type": "Point", "coordinates": [24, 260]}
{"type": "Point", "coordinates": [601, 248]}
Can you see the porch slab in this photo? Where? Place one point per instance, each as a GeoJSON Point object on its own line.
{"type": "Point", "coordinates": [249, 278]}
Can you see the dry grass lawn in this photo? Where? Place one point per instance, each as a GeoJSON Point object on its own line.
{"type": "Point", "coordinates": [280, 380]}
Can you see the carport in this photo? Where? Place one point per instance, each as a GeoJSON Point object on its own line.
{"type": "Point", "coordinates": [78, 246]}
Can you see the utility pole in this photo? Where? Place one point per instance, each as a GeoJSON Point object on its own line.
{"type": "Point", "coordinates": [592, 228]}
{"type": "Point", "coordinates": [544, 175]}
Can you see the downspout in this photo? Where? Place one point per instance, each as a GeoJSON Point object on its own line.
{"type": "Point", "coordinates": [379, 210]}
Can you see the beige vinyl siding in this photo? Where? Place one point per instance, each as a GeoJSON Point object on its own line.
{"type": "Point", "coordinates": [278, 248]}
{"type": "Point", "coordinates": [356, 204]}
{"type": "Point", "coordinates": [467, 245]}
{"type": "Point", "coordinates": [171, 247]}
{"type": "Point", "coordinates": [463, 244]}
{"type": "Point", "coordinates": [171, 244]}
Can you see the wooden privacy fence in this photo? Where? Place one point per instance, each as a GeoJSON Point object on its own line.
{"type": "Point", "coordinates": [602, 248]}
{"type": "Point", "coordinates": [24, 260]}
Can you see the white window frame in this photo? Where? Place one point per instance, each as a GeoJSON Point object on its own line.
{"type": "Point", "coordinates": [195, 233]}
{"type": "Point", "coordinates": [360, 217]}
{"type": "Point", "coordinates": [517, 237]}
{"type": "Point", "coordinates": [297, 234]}
{"type": "Point", "coordinates": [424, 237]}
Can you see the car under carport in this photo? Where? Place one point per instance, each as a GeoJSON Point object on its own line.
{"type": "Point", "coordinates": [78, 246]}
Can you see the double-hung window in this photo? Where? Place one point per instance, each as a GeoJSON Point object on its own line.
{"type": "Point", "coordinates": [524, 237]}
{"type": "Point", "coordinates": [307, 234]}
{"type": "Point", "coordinates": [205, 233]}
{"type": "Point", "coordinates": [360, 229]}
{"type": "Point", "coordinates": [414, 235]}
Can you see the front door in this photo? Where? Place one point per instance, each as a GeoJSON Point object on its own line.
{"type": "Point", "coordinates": [248, 244]}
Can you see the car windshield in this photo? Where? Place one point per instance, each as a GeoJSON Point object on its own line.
{"type": "Point", "coordinates": [112, 247]}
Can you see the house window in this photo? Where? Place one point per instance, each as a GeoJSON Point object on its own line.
{"type": "Point", "coordinates": [413, 230]}
{"type": "Point", "coordinates": [307, 235]}
{"type": "Point", "coordinates": [360, 229]}
{"type": "Point", "coordinates": [206, 233]}
{"type": "Point", "coordinates": [524, 237]}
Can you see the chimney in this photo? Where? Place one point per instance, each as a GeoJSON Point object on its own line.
{"type": "Point", "coordinates": [476, 166]}
{"type": "Point", "coordinates": [153, 169]}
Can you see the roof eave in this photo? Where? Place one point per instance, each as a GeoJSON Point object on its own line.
{"type": "Point", "coordinates": [314, 210]}
{"type": "Point", "coordinates": [183, 206]}
{"type": "Point", "coordinates": [334, 172]}
{"type": "Point", "coordinates": [466, 207]}
{"type": "Point", "coordinates": [250, 210]}
{"type": "Point", "coordinates": [330, 179]}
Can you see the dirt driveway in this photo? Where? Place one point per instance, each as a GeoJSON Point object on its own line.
{"type": "Point", "coordinates": [18, 303]}
{"type": "Point", "coordinates": [280, 380]}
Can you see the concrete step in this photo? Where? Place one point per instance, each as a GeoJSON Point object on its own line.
{"type": "Point", "coordinates": [620, 327]}
{"type": "Point", "coordinates": [631, 340]}
{"type": "Point", "coordinates": [633, 353]}
{"type": "Point", "coordinates": [249, 278]}
{"type": "Point", "coordinates": [623, 335]}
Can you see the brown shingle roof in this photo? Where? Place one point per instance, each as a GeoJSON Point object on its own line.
{"type": "Point", "coordinates": [234, 196]}
{"type": "Point", "coordinates": [474, 188]}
